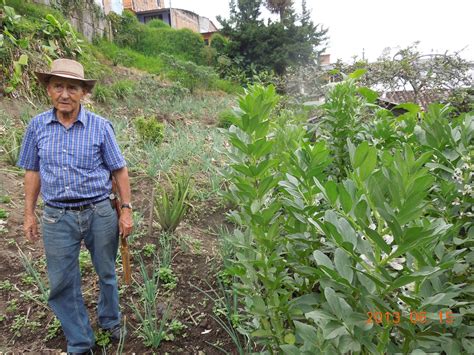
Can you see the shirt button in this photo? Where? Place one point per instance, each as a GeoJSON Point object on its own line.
{"type": "Point", "coordinates": [67, 187]}
{"type": "Point", "coordinates": [64, 168]}
{"type": "Point", "coordinates": [64, 150]}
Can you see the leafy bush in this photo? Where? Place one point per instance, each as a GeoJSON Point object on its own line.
{"type": "Point", "coordinates": [370, 257]}
{"type": "Point", "coordinates": [157, 24]}
{"type": "Point", "coordinates": [102, 93]}
{"type": "Point", "coordinates": [170, 206]}
{"type": "Point", "coordinates": [154, 38]}
{"type": "Point", "coordinates": [149, 129]}
{"type": "Point", "coordinates": [123, 88]}
{"type": "Point", "coordinates": [219, 43]}
{"type": "Point", "coordinates": [190, 75]}
{"type": "Point", "coordinates": [225, 118]}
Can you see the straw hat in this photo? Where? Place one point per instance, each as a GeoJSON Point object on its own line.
{"type": "Point", "coordinates": [66, 68]}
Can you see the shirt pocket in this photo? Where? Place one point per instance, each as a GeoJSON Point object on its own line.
{"type": "Point", "coordinates": [87, 158]}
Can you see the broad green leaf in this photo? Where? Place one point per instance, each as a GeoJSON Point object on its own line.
{"type": "Point", "coordinates": [360, 211]}
{"type": "Point", "coordinates": [444, 299]}
{"type": "Point", "coordinates": [306, 332]}
{"type": "Point", "coordinates": [337, 304]}
{"type": "Point", "coordinates": [331, 191]}
{"type": "Point", "coordinates": [410, 107]}
{"type": "Point", "coordinates": [345, 199]}
{"type": "Point", "coordinates": [370, 95]}
{"type": "Point", "coordinates": [357, 73]}
{"type": "Point", "coordinates": [377, 239]}
{"type": "Point", "coordinates": [322, 259]}
{"type": "Point", "coordinates": [348, 345]}
{"type": "Point", "coordinates": [290, 349]}
{"type": "Point", "coordinates": [343, 265]}
{"type": "Point", "coordinates": [369, 164]}
{"type": "Point", "coordinates": [360, 154]}
{"type": "Point", "coordinates": [319, 315]}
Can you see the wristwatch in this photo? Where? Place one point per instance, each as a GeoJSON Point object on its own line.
{"type": "Point", "coordinates": [126, 205]}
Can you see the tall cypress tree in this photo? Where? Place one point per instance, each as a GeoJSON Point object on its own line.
{"type": "Point", "coordinates": [275, 45]}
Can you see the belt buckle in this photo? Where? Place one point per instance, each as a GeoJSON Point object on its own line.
{"type": "Point", "coordinates": [84, 207]}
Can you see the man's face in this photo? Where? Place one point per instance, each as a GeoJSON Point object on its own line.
{"type": "Point", "coordinates": [66, 94]}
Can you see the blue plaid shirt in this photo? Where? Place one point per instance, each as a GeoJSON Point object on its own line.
{"type": "Point", "coordinates": [74, 163]}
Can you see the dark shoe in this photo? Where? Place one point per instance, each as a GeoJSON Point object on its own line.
{"type": "Point", "coordinates": [115, 332]}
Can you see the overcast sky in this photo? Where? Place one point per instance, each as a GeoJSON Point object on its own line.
{"type": "Point", "coordinates": [372, 25]}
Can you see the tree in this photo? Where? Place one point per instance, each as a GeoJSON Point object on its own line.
{"type": "Point", "coordinates": [279, 7]}
{"type": "Point", "coordinates": [272, 46]}
{"type": "Point", "coordinates": [410, 70]}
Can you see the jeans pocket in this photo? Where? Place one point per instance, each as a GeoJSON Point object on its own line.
{"type": "Point", "coordinates": [105, 209]}
{"type": "Point", "coordinates": [50, 217]}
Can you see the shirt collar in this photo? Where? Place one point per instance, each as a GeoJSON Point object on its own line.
{"type": "Point", "coordinates": [81, 117]}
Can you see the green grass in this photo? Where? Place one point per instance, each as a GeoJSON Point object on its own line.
{"type": "Point", "coordinates": [130, 58]}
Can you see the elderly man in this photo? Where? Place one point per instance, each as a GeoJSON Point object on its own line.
{"type": "Point", "coordinates": [70, 155]}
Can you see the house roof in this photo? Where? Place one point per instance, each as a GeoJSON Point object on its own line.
{"type": "Point", "coordinates": [424, 99]}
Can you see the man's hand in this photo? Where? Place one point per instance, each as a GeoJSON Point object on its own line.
{"type": "Point", "coordinates": [30, 227]}
{"type": "Point", "coordinates": [126, 222]}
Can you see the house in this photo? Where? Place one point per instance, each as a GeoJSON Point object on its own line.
{"type": "Point", "coordinates": [147, 10]}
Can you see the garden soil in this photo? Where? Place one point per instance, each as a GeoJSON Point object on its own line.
{"type": "Point", "coordinates": [195, 267]}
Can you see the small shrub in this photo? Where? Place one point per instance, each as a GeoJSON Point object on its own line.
{"type": "Point", "coordinates": [171, 206]}
{"type": "Point", "coordinates": [225, 118]}
{"type": "Point", "coordinates": [12, 146]}
{"type": "Point", "coordinates": [123, 88]}
{"type": "Point", "coordinates": [167, 278]}
{"type": "Point", "coordinates": [101, 93]}
{"type": "Point", "coordinates": [150, 130]}
{"type": "Point", "coordinates": [157, 24]}
{"type": "Point", "coordinates": [219, 43]}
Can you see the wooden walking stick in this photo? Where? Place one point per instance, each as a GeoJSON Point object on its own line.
{"type": "Point", "coordinates": [124, 251]}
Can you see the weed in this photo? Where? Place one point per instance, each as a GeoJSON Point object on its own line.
{"type": "Point", "coordinates": [174, 328]}
{"type": "Point", "coordinates": [19, 322]}
{"type": "Point", "coordinates": [28, 280]}
{"type": "Point", "coordinates": [5, 199]}
{"type": "Point", "coordinates": [102, 338]}
{"type": "Point", "coordinates": [12, 306]}
{"type": "Point", "coordinates": [53, 329]}
{"type": "Point", "coordinates": [2, 318]}
{"type": "Point", "coordinates": [149, 129]}
{"type": "Point", "coordinates": [3, 213]}
{"type": "Point", "coordinates": [31, 270]}
{"type": "Point", "coordinates": [85, 263]}
{"type": "Point", "coordinates": [225, 118]}
{"type": "Point", "coordinates": [149, 249]}
{"type": "Point", "coordinates": [226, 305]}
{"type": "Point", "coordinates": [167, 277]}
{"type": "Point", "coordinates": [101, 93]}
{"type": "Point", "coordinates": [123, 88]}
{"type": "Point", "coordinates": [6, 286]}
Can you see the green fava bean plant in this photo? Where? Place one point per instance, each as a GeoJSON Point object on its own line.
{"type": "Point", "coordinates": [375, 260]}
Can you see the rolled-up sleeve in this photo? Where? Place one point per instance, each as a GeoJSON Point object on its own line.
{"type": "Point", "coordinates": [113, 158]}
{"type": "Point", "coordinates": [29, 158]}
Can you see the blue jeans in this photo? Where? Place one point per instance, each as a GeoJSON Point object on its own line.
{"type": "Point", "coordinates": [63, 231]}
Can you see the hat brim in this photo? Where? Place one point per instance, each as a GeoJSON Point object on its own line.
{"type": "Point", "coordinates": [45, 77]}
